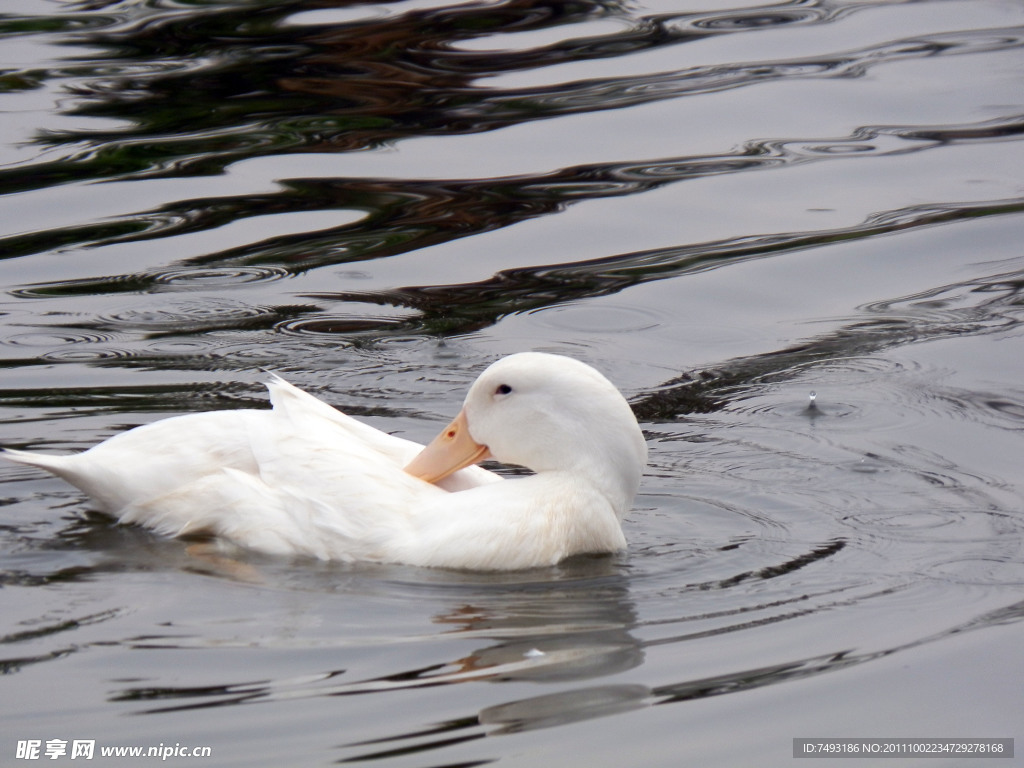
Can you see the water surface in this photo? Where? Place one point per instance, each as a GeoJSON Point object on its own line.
{"type": "Point", "coordinates": [790, 233]}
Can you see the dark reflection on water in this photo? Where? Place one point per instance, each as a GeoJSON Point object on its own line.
{"type": "Point", "coordinates": [194, 73]}
{"type": "Point", "coordinates": [204, 89]}
{"type": "Point", "coordinates": [468, 307]}
{"type": "Point", "coordinates": [200, 88]}
{"type": "Point", "coordinates": [197, 75]}
{"type": "Point", "coordinates": [459, 309]}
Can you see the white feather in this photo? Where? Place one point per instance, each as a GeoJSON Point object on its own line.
{"type": "Point", "coordinates": [305, 479]}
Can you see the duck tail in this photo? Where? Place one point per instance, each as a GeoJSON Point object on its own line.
{"type": "Point", "coordinates": [54, 464]}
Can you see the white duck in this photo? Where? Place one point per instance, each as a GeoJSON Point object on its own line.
{"type": "Point", "coordinates": [305, 479]}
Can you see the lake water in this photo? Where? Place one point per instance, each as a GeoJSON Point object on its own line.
{"type": "Point", "coordinates": [725, 207]}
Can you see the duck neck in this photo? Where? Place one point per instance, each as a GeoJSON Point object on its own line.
{"type": "Point", "coordinates": [617, 480]}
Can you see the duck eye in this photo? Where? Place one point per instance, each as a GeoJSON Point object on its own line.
{"type": "Point", "coordinates": [503, 389]}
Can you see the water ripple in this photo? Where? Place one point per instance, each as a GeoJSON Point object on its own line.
{"type": "Point", "coordinates": [187, 278]}
{"type": "Point", "coordinates": [344, 325]}
{"type": "Point", "coordinates": [756, 18]}
{"type": "Point", "coordinates": [170, 279]}
{"type": "Point", "coordinates": [186, 316]}
{"type": "Point", "coordinates": [68, 342]}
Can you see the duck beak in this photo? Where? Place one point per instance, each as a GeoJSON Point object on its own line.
{"type": "Point", "coordinates": [447, 453]}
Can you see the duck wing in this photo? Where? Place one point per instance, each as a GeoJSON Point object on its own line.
{"type": "Point", "coordinates": [302, 478]}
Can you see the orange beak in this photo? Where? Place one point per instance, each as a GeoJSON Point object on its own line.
{"type": "Point", "coordinates": [449, 452]}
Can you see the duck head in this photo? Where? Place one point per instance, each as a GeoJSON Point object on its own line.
{"type": "Point", "coordinates": [546, 412]}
